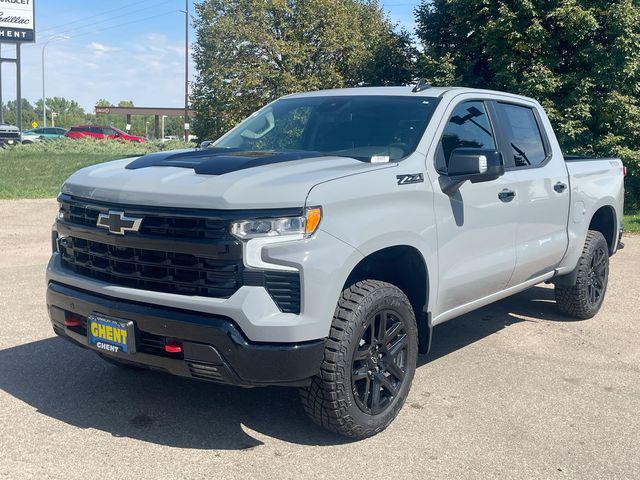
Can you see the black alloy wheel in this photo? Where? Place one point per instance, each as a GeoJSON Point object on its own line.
{"type": "Point", "coordinates": [379, 362]}
{"type": "Point", "coordinates": [597, 275]}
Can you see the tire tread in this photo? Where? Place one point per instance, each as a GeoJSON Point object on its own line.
{"type": "Point", "coordinates": [572, 300]}
{"type": "Point", "coordinates": [325, 400]}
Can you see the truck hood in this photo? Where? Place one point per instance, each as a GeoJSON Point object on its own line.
{"type": "Point", "coordinates": [281, 181]}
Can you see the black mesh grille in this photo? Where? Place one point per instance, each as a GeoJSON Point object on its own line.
{"type": "Point", "coordinates": [155, 224]}
{"type": "Point", "coordinates": [217, 275]}
{"type": "Point", "coordinates": [152, 270]}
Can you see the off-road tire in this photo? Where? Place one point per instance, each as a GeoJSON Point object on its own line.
{"type": "Point", "coordinates": [330, 400]}
{"type": "Point", "coordinates": [578, 300]}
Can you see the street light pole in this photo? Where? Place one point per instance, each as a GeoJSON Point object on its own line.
{"type": "Point", "coordinates": [186, 70]}
{"type": "Point", "coordinates": [44, 98]}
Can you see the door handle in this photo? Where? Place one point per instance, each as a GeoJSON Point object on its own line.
{"type": "Point", "coordinates": [560, 187]}
{"type": "Point", "coordinates": [506, 195]}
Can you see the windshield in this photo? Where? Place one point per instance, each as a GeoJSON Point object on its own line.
{"type": "Point", "coordinates": [359, 126]}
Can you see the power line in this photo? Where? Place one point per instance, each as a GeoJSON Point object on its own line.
{"type": "Point", "coordinates": [123, 24]}
{"type": "Point", "coordinates": [91, 25]}
{"type": "Point", "coordinates": [86, 18]}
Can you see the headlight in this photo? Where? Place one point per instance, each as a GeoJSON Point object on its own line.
{"type": "Point", "coordinates": [277, 227]}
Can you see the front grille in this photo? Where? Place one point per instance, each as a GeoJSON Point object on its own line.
{"type": "Point", "coordinates": [167, 272]}
{"type": "Point", "coordinates": [155, 223]}
{"type": "Point", "coordinates": [173, 252]}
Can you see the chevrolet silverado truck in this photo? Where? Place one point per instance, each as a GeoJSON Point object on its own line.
{"type": "Point", "coordinates": [318, 243]}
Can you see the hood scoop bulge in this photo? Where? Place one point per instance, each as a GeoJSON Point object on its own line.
{"type": "Point", "coordinates": [217, 161]}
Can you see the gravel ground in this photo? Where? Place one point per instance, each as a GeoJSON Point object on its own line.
{"type": "Point", "coordinates": [513, 390]}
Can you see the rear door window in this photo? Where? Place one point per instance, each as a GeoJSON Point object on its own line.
{"type": "Point", "coordinates": [523, 134]}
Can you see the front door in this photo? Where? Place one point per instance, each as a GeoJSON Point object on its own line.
{"type": "Point", "coordinates": [476, 226]}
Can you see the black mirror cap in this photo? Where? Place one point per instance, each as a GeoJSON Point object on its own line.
{"type": "Point", "coordinates": [476, 164]}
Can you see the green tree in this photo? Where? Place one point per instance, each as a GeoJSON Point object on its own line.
{"type": "Point", "coordinates": [28, 113]}
{"type": "Point", "coordinates": [68, 112]}
{"type": "Point", "coordinates": [579, 58]}
{"type": "Point", "coordinates": [249, 52]}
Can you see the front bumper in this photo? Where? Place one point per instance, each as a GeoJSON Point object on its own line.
{"type": "Point", "coordinates": [214, 348]}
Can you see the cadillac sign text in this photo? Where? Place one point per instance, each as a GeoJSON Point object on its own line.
{"type": "Point", "coordinates": [17, 21]}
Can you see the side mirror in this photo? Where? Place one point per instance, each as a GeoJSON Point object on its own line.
{"type": "Point", "coordinates": [473, 164]}
{"type": "Point", "coordinates": [205, 144]}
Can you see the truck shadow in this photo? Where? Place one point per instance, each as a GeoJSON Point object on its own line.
{"type": "Point", "coordinates": [534, 304]}
{"type": "Point", "coordinates": [74, 386]}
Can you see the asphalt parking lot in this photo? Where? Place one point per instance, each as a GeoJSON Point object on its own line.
{"type": "Point", "coordinates": [514, 390]}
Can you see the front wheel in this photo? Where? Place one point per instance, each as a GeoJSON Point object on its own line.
{"type": "Point", "coordinates": [369, 361]}
{"type": "Point", "coordinates": [584, 298]}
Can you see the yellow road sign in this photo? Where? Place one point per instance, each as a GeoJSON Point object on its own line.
{"type": "Point", "coordinates": [34, 124]}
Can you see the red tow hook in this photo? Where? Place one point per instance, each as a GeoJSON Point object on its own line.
{"type": "Point", "coordinates": [173, 345]}
{"type": "Point", "coordinates": [72, 320]}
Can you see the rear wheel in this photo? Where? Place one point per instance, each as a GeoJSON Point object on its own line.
{"type": "Point", "coordinates": [369, 361]}
{"type": "Point", "coordinates": [584, 298]}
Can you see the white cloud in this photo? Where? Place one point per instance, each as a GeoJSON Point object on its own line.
{"type": "Point", "coordinates": [148, 69]}
{"type": "Point", "coordinates": [100, 48]}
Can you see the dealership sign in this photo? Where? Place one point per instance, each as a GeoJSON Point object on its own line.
{"type": "Point", "coordinates": [17, 21]}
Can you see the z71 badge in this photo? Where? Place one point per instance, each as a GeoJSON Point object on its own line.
{"type": "Point", "coordinates": [410, 178]}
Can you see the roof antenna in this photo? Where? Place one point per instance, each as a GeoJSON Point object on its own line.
{"type": "Point", "coordinates": [421, 85]}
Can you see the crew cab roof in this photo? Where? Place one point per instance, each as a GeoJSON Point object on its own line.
{"type": "Point", "coordinates": [431, 92]}
{"type": "Point", "coordinates": [392, 91]}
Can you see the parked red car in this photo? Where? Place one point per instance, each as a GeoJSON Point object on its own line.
{"type": "Point", "coordinates": [92, 131]}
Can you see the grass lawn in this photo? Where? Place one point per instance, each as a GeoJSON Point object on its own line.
{"type": "Point", "coordinates": [40, 174]}
{"type": "Point", "coordinates": [632, 222]}
{"type": "Point", "coordinates": [38, 170]}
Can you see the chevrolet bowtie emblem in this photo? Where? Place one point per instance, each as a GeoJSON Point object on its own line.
{"type": "Point", "coordinates": [118, 222]}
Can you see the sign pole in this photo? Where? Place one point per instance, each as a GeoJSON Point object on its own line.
{"type": "Point", "coordinates": [1, 104]}
{"type": "Point", "coordinates": [18, 88]}
{"type": "Point", "coordinates": [17, 25]}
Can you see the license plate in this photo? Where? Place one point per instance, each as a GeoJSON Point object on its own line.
{"type": "Point", "coordinates": [110, 334]}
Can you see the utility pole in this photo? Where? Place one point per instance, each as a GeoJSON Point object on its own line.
{"type": "Point", "coordinates": [186, 70]}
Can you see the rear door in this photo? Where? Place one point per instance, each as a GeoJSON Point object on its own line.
{"type": "Point", "coordinates": [540, 180]}
{"type": "Point", "coordinates": [477, 225]}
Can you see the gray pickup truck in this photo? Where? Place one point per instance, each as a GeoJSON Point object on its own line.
{"type": "Point", "coordinates": [318, 243]}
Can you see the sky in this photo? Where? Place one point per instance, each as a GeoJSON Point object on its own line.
{"type": "Point", "coordinates": [117, 50]}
